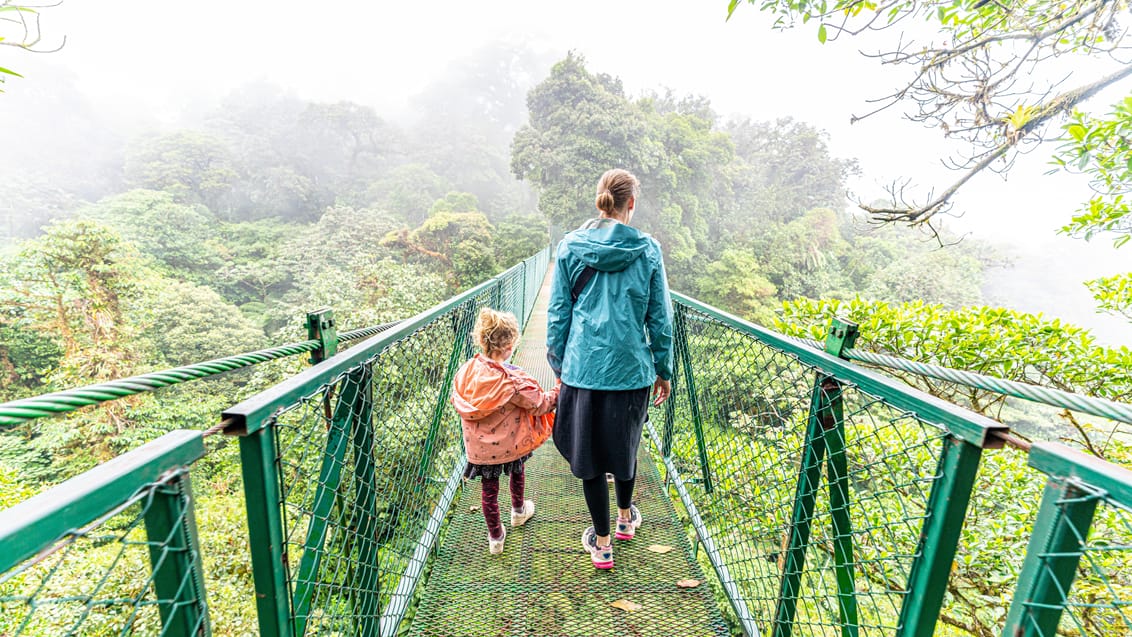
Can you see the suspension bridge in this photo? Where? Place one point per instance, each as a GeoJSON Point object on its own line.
{"type": "Point", "coordinates": [789, 488]}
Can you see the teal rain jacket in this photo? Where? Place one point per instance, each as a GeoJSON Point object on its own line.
{"type": "Point", "coordinates": [618, 335]}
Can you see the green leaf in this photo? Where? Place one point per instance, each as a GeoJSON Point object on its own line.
{"type": "Point", "coordinates": [821, 34]}
{"type": "Point", "coordinates": [1077, 131]}
{"type": "Point", "coordinates": [9, 72]}
{"type": "Point", "coordinates": [731, 8]}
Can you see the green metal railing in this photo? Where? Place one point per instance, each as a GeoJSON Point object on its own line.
{"type": "Point", "coordinates": [831, 500]}
{"type": "Point", "coordinates": [112, 551]}
{"type": "Point", "coordinates": [21, 411]}
{"type": "Point", "coordinates": [828, 499]}
{"type": "Point", "coordinates": [350, 468]}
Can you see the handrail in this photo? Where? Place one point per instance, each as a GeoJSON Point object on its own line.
{"type": "Point", "coordinates": [251, 415]}
{"type": "Point", "coordinates": [1102, 407]}
{"type": "Point", "coordinates": [31, 525]}
{"type": "Point", "coordinates": [26, 409]}
{"type": "Point", "coordinates": [969, 426]}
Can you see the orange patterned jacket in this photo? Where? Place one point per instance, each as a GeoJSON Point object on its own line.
{"type": "Point", "coordinates": [505, 413]}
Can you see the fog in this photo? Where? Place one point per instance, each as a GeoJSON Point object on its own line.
{"type": "Point", "coordinates": [128, 67]}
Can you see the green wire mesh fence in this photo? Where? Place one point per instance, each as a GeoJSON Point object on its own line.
{"type": "Point", "coordinates": [812, 491]}
{"type": "Point", "coordinates": [365, 456]}
{"type": "Point", "coordinates": [1077, 576]}
{"type": "Point", "coordinates": [111, 552]}
{"type": "Point", "coordinates": [829, 501]}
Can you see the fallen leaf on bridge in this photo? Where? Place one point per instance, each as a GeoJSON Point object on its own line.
{"type": "Point", "coordinates": [626, 605]}
{"type": "Point", "coordinates": [688, 583]}
{"type": "Point", "coordinates": [659, 548]}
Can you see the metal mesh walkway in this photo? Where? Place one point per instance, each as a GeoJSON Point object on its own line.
{"type": "Point", "coordinates": [543, 583]}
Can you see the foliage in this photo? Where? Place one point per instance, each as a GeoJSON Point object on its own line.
{"type": "Point", "coordinates": [735, 281]}
{"type": "Point", "coordinates": [1113, 294]}
{"type": "Point", "coordinates": [1102, 149]}
{"type": "Point", "coordinates": [186, 323]}
{"type": "Point", "coordinates": [195, 168]}
{"type": "Point", "coordinates": [992, 341]}
{"type": "Point", "coordinates": [178, 235]}
{"type": "Point", "coordinates": [985, 77]}
{"type": "Point", "coordinates": [407, 191]}
{"type": "Point", "coordinates": [71, 283]}
{"type": "Point", "coordinates": [460, 242]}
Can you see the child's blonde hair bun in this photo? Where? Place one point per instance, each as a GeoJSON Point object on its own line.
{"type": "Point", "coordinates": [495, 331]}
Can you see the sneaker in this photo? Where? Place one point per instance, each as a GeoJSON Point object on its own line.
{"type": "Point", "coordinates": [626, 529]}
{"type": "Point", "coordinates": [495, 547]}
{"type": "Point", "coordinates": [602, 556]}
{"type": "Point", "coordinates": [520, 518]}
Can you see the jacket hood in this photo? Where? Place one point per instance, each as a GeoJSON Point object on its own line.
{"type": "Point", "coordinates": [482, 387]}
{"type": "Point", "coordinates": [607, 245]}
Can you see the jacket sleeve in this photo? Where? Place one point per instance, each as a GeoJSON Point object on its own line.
{"type": "Point", "coordinates": [559, 314]}
{"type": "Point", "coordinates": [658, 322]}
{"type": "Point", "coordinates": [532, 398]}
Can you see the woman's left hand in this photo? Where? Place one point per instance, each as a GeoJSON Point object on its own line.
{"type": "Point", "coordinates": [660, 390]}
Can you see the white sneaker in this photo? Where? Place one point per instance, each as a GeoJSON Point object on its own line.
{"type": "Point", "coordinates": [519, 519]}
{"type": "Point", "coordinates": [495, 547]}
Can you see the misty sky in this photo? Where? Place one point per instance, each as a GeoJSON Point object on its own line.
{"type": "Point", "coordinates": [160, 58]}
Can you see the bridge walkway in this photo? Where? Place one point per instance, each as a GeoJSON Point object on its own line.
{"type": "Point", "coordinates": [543, 582]}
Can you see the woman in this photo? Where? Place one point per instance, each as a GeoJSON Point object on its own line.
{"type": "Point", "coordinates": [609, 291]}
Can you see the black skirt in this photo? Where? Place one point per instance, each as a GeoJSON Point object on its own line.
{"type": "Point", "coordinates": [492, 471]}
{"type": "Point", "coordinates": [599, 431]}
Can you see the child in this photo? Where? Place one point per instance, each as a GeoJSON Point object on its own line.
{"type": "Point", "coordinates": [506, 416]}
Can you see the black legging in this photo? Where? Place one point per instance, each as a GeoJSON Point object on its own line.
{"type": "Point", "coordinates": [597, 500]}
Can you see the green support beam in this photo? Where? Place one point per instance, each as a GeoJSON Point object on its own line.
{"type": "Point", "coordinates": [461, 327]}
{"type": "Point", "coordinates": [174, 553]}
{"type": "Point", "coordinates": [801, 520]}
{"type": "Point", "coordinates": [1052, 556]}
{"type": "Point", "coordinates": [329, 477]}
{"type": "Point", "coordinates": [365, 592]}
{"type": "Point", "coordinates": [264, 500]}
{"type": "Point", "coordinates": [693, 399]}
{"type": "Point", "coordinates": [939, 537]}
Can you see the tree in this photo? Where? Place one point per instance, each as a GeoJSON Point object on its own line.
{"type": "Point", "coordinates": [194, 167]}
{"type": "Point", "coordinates": [980, 78]}
{"type": "Point", "coordinates": [460, 242]}
{"type": "Point", "coordinates": [517, 237]}
{"type": "Point", "coordinates": [582, 124]}
{"type": "Point", "coordinates": [71, 284]}
{"type": "Point", "coordinates": [345, 147]}
{"type": "Point", "coordinates": [736, 281]}
{"type": "Point", "coordinates": [180, 236]}
{"type": "Point", "coordinates": [185, 323]}
{"type": "Point", "coordinates": [783, 169]}
{"type": "Point", "coordinates": [407, 191]}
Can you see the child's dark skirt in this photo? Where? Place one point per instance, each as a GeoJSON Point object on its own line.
{"type": "Point", "coordinates": [493, 471]}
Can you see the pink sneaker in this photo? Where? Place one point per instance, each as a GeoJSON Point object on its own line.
{"type": "Point", "coordinates": [601, 556]}
{"type": "Point", "coordinates": [626, 529]}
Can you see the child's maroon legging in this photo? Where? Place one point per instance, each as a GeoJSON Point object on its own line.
{"type": "Point", "coordinates": [490, 500]}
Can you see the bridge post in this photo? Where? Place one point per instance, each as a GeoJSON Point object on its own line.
{"type": "Point", "coordinates": [463, 318]}
{"type": "Point", "coordinates": [265, 532]}
{"type": "Point", "coordinates": [825, 432]}
{"type": "Point", "coordinates": [842, 335]}
{"type": "Point", "coordinates": [322, 327]}
{"type": "Point", "coordinates": [693, 401]}
{"type": "Point", "coordinates": [329, 479]}
{"type": "Point", "coordinates": [1052, 556]}
{"type": "Point", "coordinates": [174, 552]}
{"type": "Point", "coordinates": [366, 593]}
